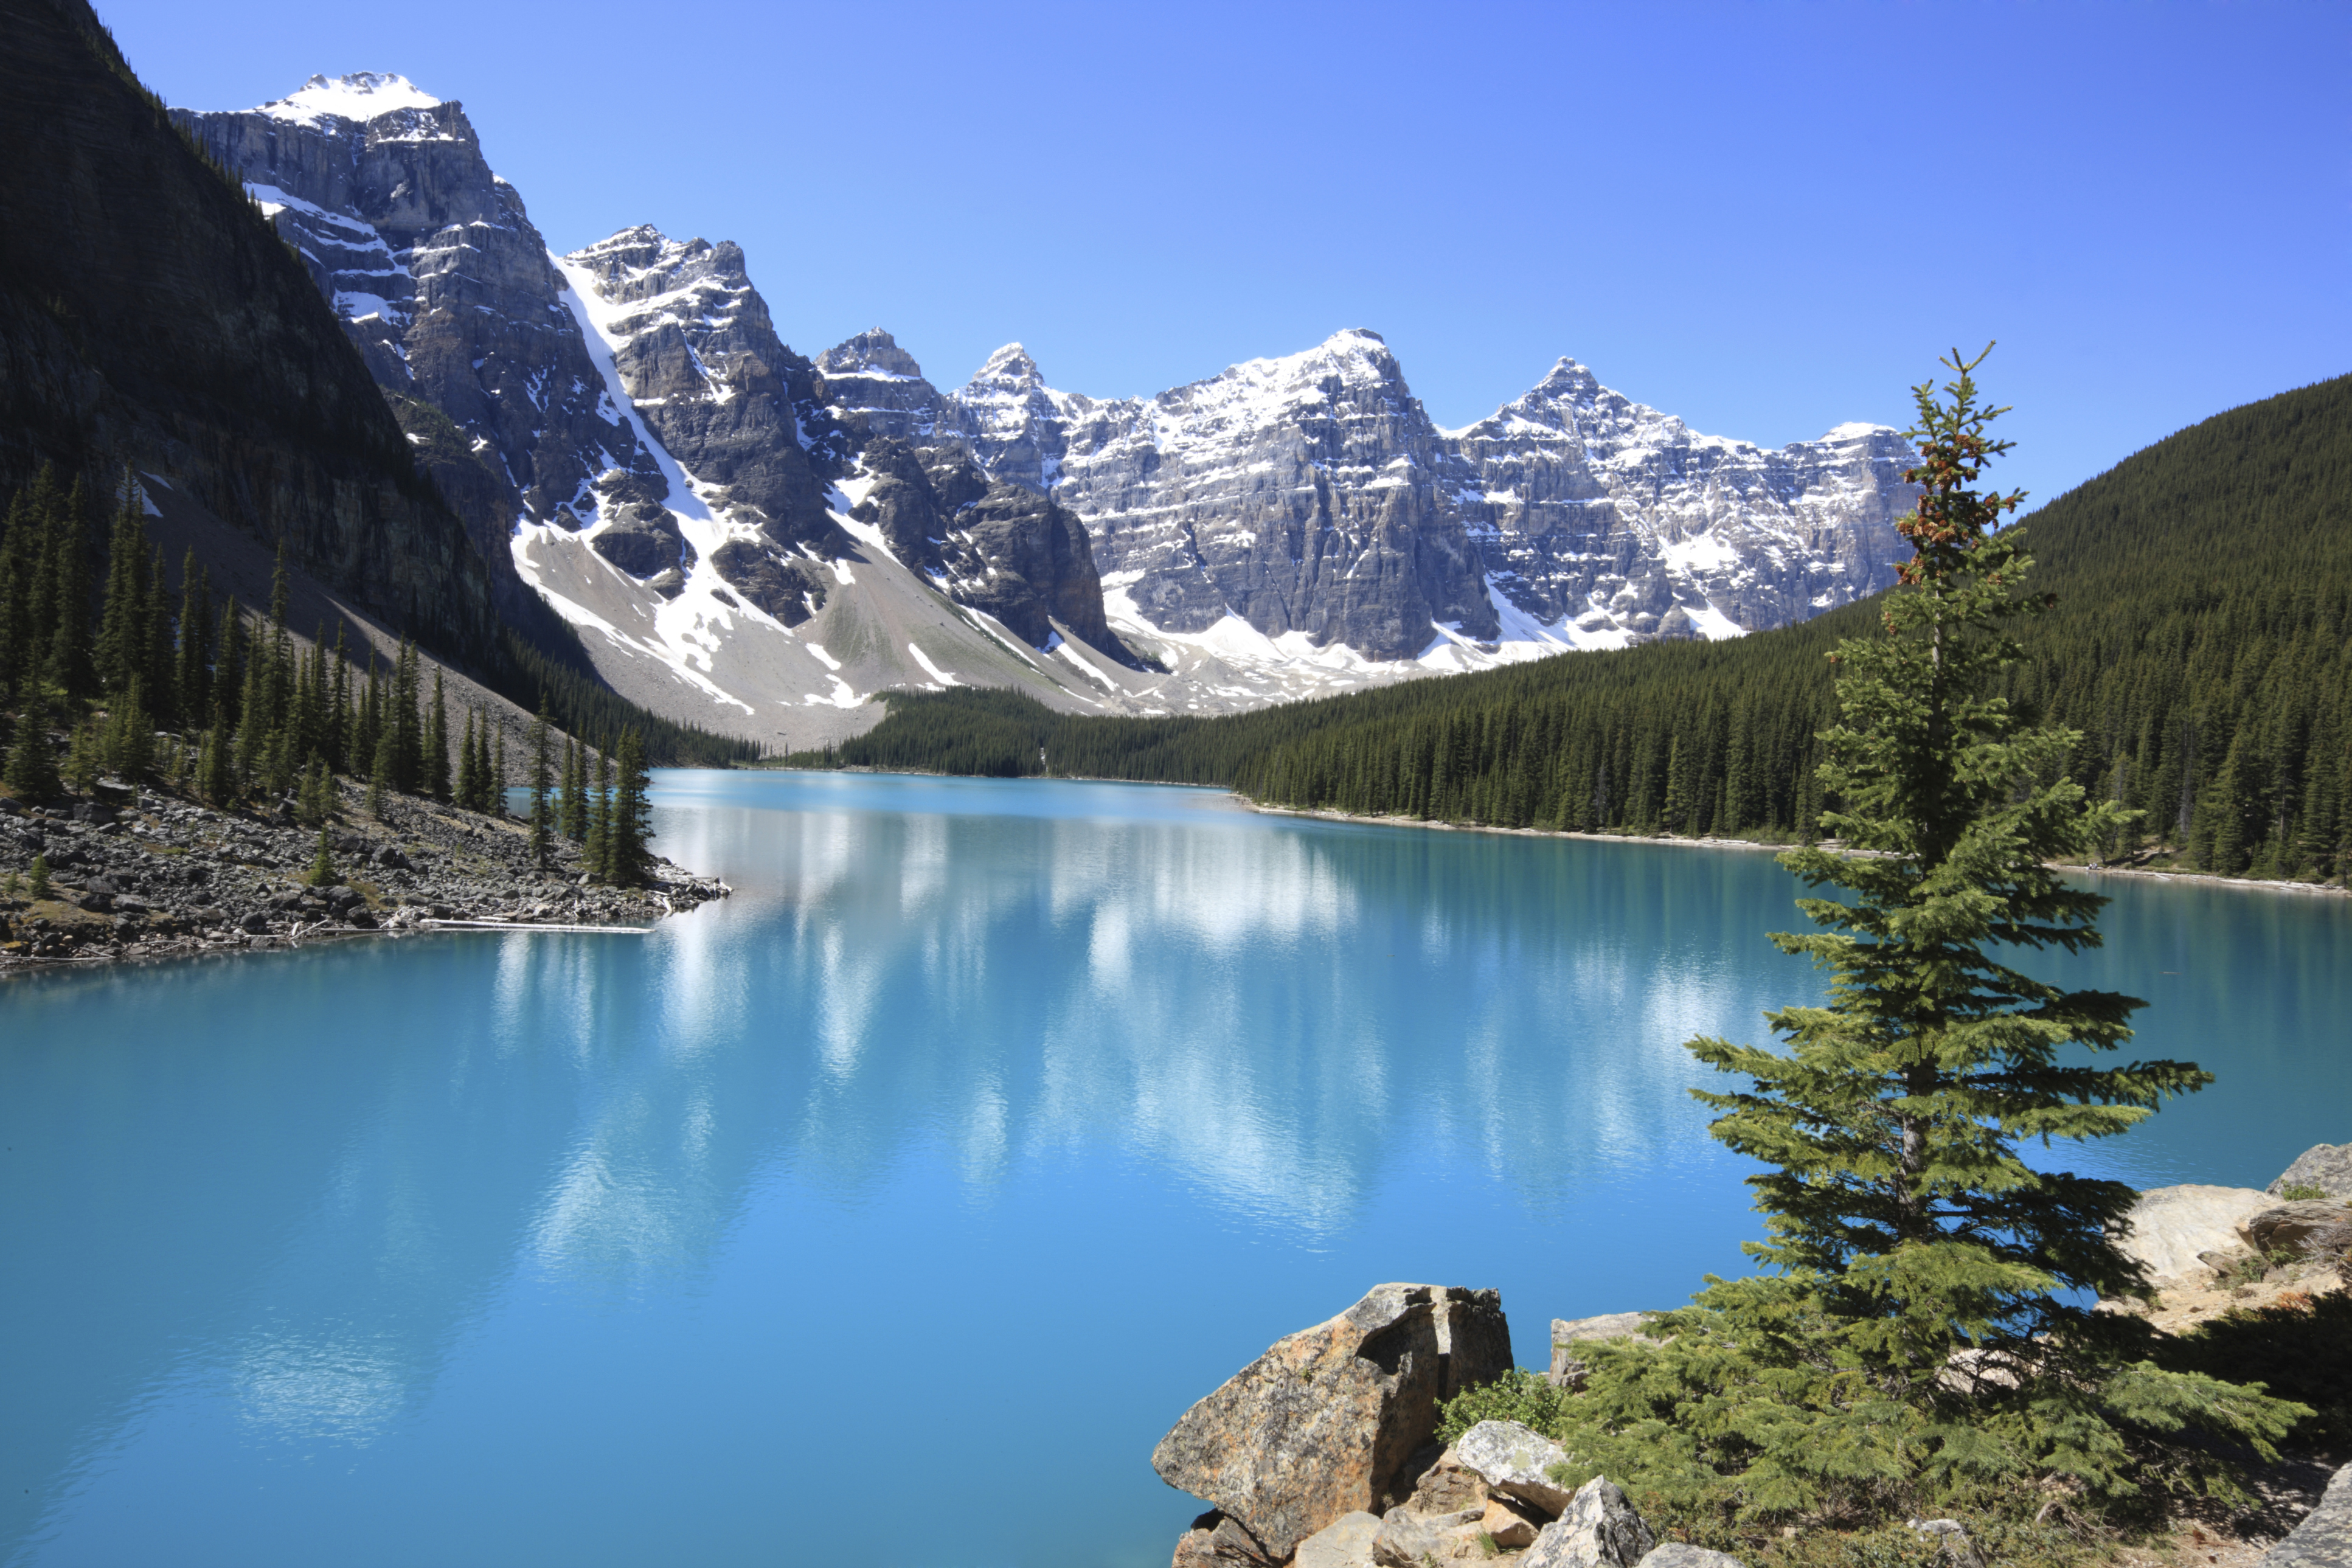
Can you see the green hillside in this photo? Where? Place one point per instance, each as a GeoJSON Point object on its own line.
{"type": "Point", "coordinates": [2201, 641]}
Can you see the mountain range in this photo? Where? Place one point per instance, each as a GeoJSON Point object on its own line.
{"type": "Point", "coordinates": [762, 542]}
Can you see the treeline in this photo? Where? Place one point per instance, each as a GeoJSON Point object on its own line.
{"type": "Point", "coordinates": [2201, 641]}
{"type": "Point", "coordinates": [151, 684]}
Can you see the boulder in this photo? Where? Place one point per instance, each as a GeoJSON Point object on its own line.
{"type": "Point", "coordinates": [2171, 1225]}
{"type": "Point", "coordinates": [1322, 1424]}
{"type": "Point", "coordinates": [1599, 1530]}
{"type": "Point", "coordinates": [2315, 1226]}
{"type": "Point", "coordinates": [1448, 1485]}
{"type": "Point", "coordinates": [1409, 1540]}
{"type": "Point", "coordinates": [1516, 1460]}
{"type": "Point", "coordinates": [1346, 1542]}
{"type": "Point", "coordinates": [1674, 1554]}
{"type": "Point", "coordinates": [2327, 1166]}
{"type": "Point", "coordinates": [2323, 1538]}
{"type": "Point", "coordinates": [1567, 1370]}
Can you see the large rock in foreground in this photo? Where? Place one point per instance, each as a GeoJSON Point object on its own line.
{"type": "Point", "coordinates": [2171, 1225]}
{"type": "Point", "coordinates": [2327, 1166]}
{"type": "Point", "coordinates": [1599, 1530]}
{"type": "Point", "coordinates": [1321, 1425]}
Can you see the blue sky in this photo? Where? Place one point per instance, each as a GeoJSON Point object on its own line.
{"type": "Point", "coordinates": [1766, 218]}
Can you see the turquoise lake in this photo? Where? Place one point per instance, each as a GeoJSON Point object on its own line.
{"type": "Point", "coordinates": [890, 1211]}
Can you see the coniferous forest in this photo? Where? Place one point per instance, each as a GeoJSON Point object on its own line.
{"type": "Point", "coordinates": [106, 669]}
{"type": "Point", "coordinates": [2200, 637]}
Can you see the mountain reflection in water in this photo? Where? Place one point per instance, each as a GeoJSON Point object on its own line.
{"type": "Point", "coordinates": [1014, 1115]}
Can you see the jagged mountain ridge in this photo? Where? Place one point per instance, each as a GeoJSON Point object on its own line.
{"type": "Point", "coordinates": [679, 483]}
{"type": "Point", "coordinates": [1311, 494]}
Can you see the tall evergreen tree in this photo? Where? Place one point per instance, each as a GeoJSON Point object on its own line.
{"type": "Point", "coordinates": [191, 666]}
{"type": "Point", "coordinates": [338, 707]}
{"type": "Point", "coordinates": [628, 824]}
{"type": "Point", "coordinates": [543, 816]}
{"type": "Point", "coordinates": [32, 771]}
{"type": "Point", "coordinates": [436, 743]}
{"type": "Point", "coordinates": [1928, 1328]}
{"type": "Point", "coordinates": [69, 670]}
{"type": "Point", "coordinates": [595, 845]}
{"type": "Point", "coordinates": [120, 654]}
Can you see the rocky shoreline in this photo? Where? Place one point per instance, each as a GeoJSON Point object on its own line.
{"type": "Point", "coordinates": [1324, 1452]}
{"type": "Point", "coordinates": [147, 874]}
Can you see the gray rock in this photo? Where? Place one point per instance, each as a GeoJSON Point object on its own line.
{"type": "Point", "coordinates": [1515, 1459]}
{"type": "Point", "coordinates": [1409, 1540]}
{"type": "Point", "coordinates": [1448, 1485]}
{"type": "Point", "coordinates": [1674, 1554]}
{"type": "Point", "coordinates": [2314, 1226]}
{"type": "Point", "coordinates": [1959, 1549]}
{"type": "Point", "coordinates": [1599, 1526]}
{"type": "Point", "coordinates": [1567, 1370]}
{"type": "Point", "coordinates": [2323, 1538]}
{"type": "Point", "coordinates": [2327, 1166]}
{"type": "Point", "coordinates": [1216, 1541]}
{"type": "Point", "coordinates": [1346, 1542]}
{"type": "Point", "coordinates": [1324, 1422]}
{"type": "Point", "coordinates": [2169, 1227]}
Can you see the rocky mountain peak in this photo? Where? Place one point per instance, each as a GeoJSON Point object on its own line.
{"type": "Point", "coordinates": [359, 97]}
{"type": "Point", "coordinates": [1009, 366]}
{"type": "Point", "coordinates": [871, 352]}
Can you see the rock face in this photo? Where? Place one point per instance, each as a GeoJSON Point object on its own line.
{"type": "Point", "coordinates": [438, 276]}
{"type": "Point", "coordinates": [1321, 1425]}
{"type": "Point", "coordinates": [2323, 1538]}
{"type": "Point", "coordinates": [1674, 1554]}
{"type": "Point", "coordinates": [2327, 1166]}
{"type": "Point", "coordinates": [1599, 1530]}
{"type": "Point", "coordinates": [699, 357]}
{"type": "Point", "coordinates": [147, 314]}
{"type": "Point", "coordinates": [1311, 495]}
{"type": "Point", "coordinates": [2169, 1227]}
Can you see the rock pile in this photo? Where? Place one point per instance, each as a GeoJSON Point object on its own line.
{"type": "Point", "coordinates": [141, 874]}
{"type": "Point", "coordinates": [1319, 1454]}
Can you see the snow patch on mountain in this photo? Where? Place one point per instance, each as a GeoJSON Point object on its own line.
{"type": "Point", "coordinates": [362, 95]}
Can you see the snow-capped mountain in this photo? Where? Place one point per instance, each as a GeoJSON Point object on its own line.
{"type": "Point", "coordinates": [1309, 497]}
{"type": "Point", "coordinates": [759, 542]}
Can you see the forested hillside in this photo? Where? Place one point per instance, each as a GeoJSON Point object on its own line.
{"type": "Point", "coordinates": [2201, 641]}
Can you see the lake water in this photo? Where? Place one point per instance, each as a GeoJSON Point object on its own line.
{"type": "Point", "coordinates": [889, 1212]}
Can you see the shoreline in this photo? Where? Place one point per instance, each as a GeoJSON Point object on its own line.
{"type": "Point", "coordinates": [2205, 879]}
{"type": "Point", "coordinates": [149, 876]}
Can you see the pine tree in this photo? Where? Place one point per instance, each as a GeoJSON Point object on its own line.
{"type": "Point", "coordinates": [128, 744]}
{"type": "Point", "coordinates": [1928, 1327]}
{"type": "Point", "coordinates": [436, 744]}
{"type": "Point", "coordinates": [68, 671]}
{"type": "Point", "coordinates": [84, 758]}
{"type": "Point", "coordinates": [575, 793]}
{"type": "Point", "coordinates": [37, 880]}
{"type": "Point", "coordinates": [406, 721]}
{"type": "Point", "coordinates": [32, 762]}
{"type": "Point", "coordinates": [628, 823]}
{"type": "Point", "coordinates": [216, 767]}
{"type": "Point", "coordinates": [498, 774]}
{"type": "Point", "coordinates": [317, 801]}
{"type": "Point", "coordinates": [541, 814]}
{"type": "Point", "coordinates": [338, 707]}
{"type": "Point", "coordinates": [467, 792]}
{"type": "Point", "coordinates": [594, 847]}
{"type": "Point", "coordinates": [322, 865]}
{"type": "Point", "coordinates": [191, 669]}
{"type": "Point", "coordinates": [228, 668]}
{"type": "Point", "coordinates": [121, 652]}
{"type": "Point", "coordinates": [380, 777]}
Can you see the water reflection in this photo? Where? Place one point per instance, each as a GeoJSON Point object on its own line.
{"type": "Point", "coordinates": [980, 1029]}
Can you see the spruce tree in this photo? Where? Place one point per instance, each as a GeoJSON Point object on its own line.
{"type": "Point", "coordinates": [129, 748]}
{"type": "Point", "coordinates": [317, 801]}
{"type": "Point", "coordinates": [228, 667]}
{"type": "Point", "coordinates": [436, 744]}
{"type": "Point", "coordinates": [467, 790]}
{"type": "Point", "coordinates": [499, 773]}
{"type": "Point", "coordinates": [322, 865]}
{"type": "Point", "coordinates": [121, 650]}
{"type": "Point", "coordinates": [36, 881]}
{"type": "Point", "coordinates": [380, 776]}
{"type": "Point", "coordinates": [68, 671]}
{"type": "Point", "coordinates": [404, 722]}
{"type": "Point", "coordinates": [192, 662]}
{"type": "Point", "coordinates": [575, 793]}
{"type": "Point", "coordinates": [1928, 1328]}
{"type": "Point", "coordinates": [84, 757]}
{"type": "Point", "coordinates": [595, 845]}
{"type": "Point", "coordinates": [32, 762]}
{"type": "Point", "coordinates": [628, 823]}
{"type": "Point", "coordinates": [542, 813]}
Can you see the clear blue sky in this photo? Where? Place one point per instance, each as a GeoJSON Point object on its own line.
{"type": "Point", "coordinates": [1764, 217]}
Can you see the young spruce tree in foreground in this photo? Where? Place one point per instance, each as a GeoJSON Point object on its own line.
{"type": "Point", "coordinates": [1925, 1341]}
